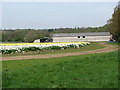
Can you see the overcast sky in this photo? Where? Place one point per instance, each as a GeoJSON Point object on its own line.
{"type": "Point", "coordinates": [55, 14]}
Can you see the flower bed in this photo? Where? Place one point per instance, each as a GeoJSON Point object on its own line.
{"type": "Point", "coordinates": [25, 47]}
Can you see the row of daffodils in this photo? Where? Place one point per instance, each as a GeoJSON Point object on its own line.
{"type": "Point", "coordinates": [11, 48]}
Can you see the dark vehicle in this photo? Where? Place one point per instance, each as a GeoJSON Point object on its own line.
{"type": "Point", "coordinates": [46, 40]}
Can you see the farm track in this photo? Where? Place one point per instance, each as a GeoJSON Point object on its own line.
{"type": "Point", "coordinates": [108, 48]}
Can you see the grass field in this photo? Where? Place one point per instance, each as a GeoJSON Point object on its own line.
{"type": "Point", "coordinates": [92, 46]}
{"type": "Point", "coordinates": [85, 71]}
{"type": "Point", "coordinates": [114, 43]}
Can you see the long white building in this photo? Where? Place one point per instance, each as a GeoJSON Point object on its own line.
{"type": "Point", "coordinates": [81, 37]}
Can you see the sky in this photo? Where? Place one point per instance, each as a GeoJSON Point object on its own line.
{"type": "Point", "coordinates": [42, 15]}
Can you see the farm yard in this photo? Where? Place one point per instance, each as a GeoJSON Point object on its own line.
{"type": "Point", "coordinates": [91, 68]}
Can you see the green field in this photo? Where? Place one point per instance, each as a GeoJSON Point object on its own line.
{"type": "Point", "coordinates": [114, 43]}
{"type": "Point", "coordinates": [84, 71]}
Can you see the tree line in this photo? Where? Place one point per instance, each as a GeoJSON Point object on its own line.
{"type": "Point", "coordinates": [29, 35]}
{"type": "Point", "coordinates": [23, 35]}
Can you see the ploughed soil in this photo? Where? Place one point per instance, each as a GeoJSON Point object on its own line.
{"type": "Point", "coordinates": [108, 48]}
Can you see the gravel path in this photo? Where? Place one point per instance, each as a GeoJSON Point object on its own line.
{"type": "Point", "coordinates": [108, 48]}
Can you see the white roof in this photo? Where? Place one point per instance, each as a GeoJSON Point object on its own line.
{"type": "Point", "coordinates": [82, 34]}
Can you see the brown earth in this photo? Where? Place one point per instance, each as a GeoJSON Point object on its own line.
{"type": "Point", "coordinates": [108, 48]}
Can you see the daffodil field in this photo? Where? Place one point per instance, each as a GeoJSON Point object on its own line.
{"type": "Point", "coordinates": [10, 48]}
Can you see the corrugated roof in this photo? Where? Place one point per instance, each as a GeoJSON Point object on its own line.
{"type": "Point", "coordinates": [81, 34]}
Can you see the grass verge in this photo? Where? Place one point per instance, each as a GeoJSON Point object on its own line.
{"type": "Point", "coordinates": [85, 71]}
{"type": "Point", "coordinates": [114, 43]}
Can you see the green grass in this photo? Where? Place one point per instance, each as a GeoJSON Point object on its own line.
{"type": "Point", "coordinates": [92, 46]}
{"type": "Point", "coordinates": [85, 71]}
{"type": "Point", "coordinates": [114, 43]}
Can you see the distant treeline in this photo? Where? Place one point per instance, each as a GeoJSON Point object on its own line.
{"type": "Point", "coordinates": [80, 30]}
{"type": "Point", "coordinates": [29, 35]}
{"type": "Point", "coordinates": [23, 35]}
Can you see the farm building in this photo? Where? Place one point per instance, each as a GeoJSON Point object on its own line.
{"type": "Point", "coordinates": [81, 37]}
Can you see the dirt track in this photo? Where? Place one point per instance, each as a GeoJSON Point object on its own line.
{"type": "Point", "coordinates": [108, 48]}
